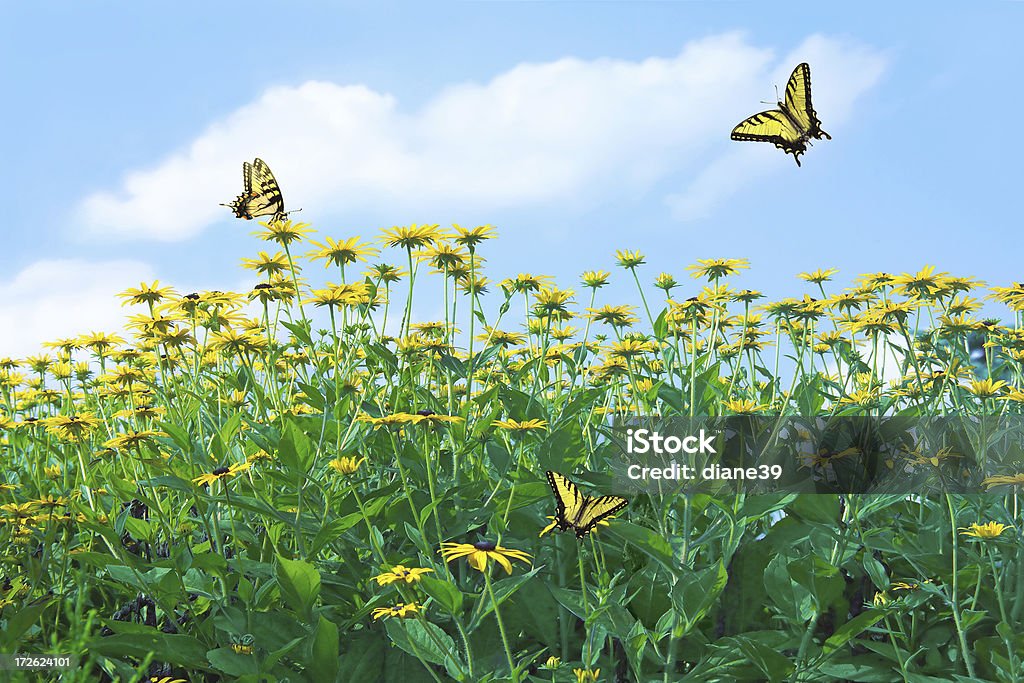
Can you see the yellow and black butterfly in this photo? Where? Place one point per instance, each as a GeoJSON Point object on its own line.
{"type": "Point", "coordinates": [579, 512]}
{"type": "Point", "coordinates": [261, 195]}
{"type": "Point", "coordinates": [791, 125]}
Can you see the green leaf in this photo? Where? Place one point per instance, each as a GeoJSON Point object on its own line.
{"type": "Point", "coordinates": [852, 629]}
{"type": "Point", "coordinates": [232, 663]}
{"type": "Point", "coordinates": [823, 508]}
{"type": "Point", "coordinates": [324, 651]}
{"type": "Point", "coordinates": [173, 648]}
{"type": "Point", "coordinates": [422, 639]}
{"type": "Point", "coordinates": [819, 577]}
{"type": "Point", "coordinates": [22, 620]}
{"type": "Point", "coordinates": [696, 591]}
{"type": "Point", "coordinates": [300, 585]}
{"type": "Point", "coordinates": [876, 570]}
{"type": "Point", "coordinates": [445, 593]}
{"type": "Point", "coordinates": [649, 542]}
{"type": "Point", "coordinates": [363, 658]}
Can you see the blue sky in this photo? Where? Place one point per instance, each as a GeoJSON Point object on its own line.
{"type": "Point", "coordinates": [576, 128]}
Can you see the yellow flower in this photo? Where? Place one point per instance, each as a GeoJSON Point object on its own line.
{"type": "Point", "coordinates": [146, 294]}
{"type": "Point", "coordinates": [983, 531]}
{"type": "Point", "coordinates": [52, 471]}
{"type": "Point", "coordinates": [551, 663]}
{"type": "Point", "coordinates": [412, 237]}
{"type": "Point", "coordinates": [346, 466]}
{"type": "Point", "coordinates": [595, 279]}
{"type": "Point", "coordinates": [1002, 479]}
{"type": "Point", "coordinates": [401, 610]}
{"type": "Point", "coordinates": [985, 388]}
{"type": "Point", "coordinates": [243, 645]}
{"type": "Point", "coordinates": [742, 406]}
{"type": "Point", "coordinates": [524, 426]}
{"type": "Point", "coordinates": [586, 675]}
{"type": "Point", "coordinates": [713, 269]}
{"type": "Point", "coordinates": [629, 259]}
{"type": "Point", "coordinates": [819, 276]}
{"type": "Point", "coordinates": [221, 473]}
{"type": "Point", "coordinates": [166, 679]}
{"type": "Point", "coordinates": [480, 552]}
{"type": "Point", "coordinates": [283, 232]}
{"type": "Point", "coordinates": [401, 573]}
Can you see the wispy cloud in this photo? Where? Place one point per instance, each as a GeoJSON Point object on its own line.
{"type": "Point", "coordinates": [568, 132]}
{"type": "Point", "coordinates": [840, 73]}
{"type": "Point", "coordinates": [63, 298]}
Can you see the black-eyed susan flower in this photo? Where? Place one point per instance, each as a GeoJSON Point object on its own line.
{"type": "Point", "coordinates": [133, 439]}
{"type": "Point", "coordinates": [341, 253]}
{"type": "Point", "coordinates": [243, 645]}
{"type": "Point", "coordinates": [346, 465]}
{"type": "Point", "coordinates": [713, 269]}
{"type": "Point", "coordinates": [477, 554]}
{"type": "Point", "coordinates": [983, 531]}
{"type": "Point", "coordinates": [265, 264]}
{"type": "Point", "coordinates": [986, 388]}
{"type": "Point", "coordinates": [551, 663]}
{"type": "Point", "coordinates": [470, 237]}
{"type": "Point", "coordinates": [629, 259]}
{"type": "Point", "coordinates": [595, 279]}
{"type": "Point", "coordinates": [401, 611]}
{"type": "Point", "coordinates": [819, 276]}
{"type": "Point", "coordinates": [616, 316]}
{"type": "Point", "coordinates": [524, 426]}
{"type": "Point", "coordinates": [1004, 480]}
{"type": "Point", "coordinates": [72, 428]}
{"type": "Point", "coordinates": [146, 294]}
{"type": "Point", "coordinates": [743, 406]}
{"type": "Point", "coordinates": [586, 675]}
{"type": "Point", "coordinates": [166, 679]}
{"type": "Point", "coordinates": [208, 478]}
{"type": "Point", "coordinates": [412, 237]}
{"type": "Point", "coordinates": [283, 232]}
{"type": "Point", "coordinates": [401, 573]}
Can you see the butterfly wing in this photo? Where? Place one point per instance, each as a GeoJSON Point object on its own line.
{"type": "Point", "coordinates": [798, 103]}
{"type": "Point", "coordinates": [579, 512]}
{"type": "Point", "coordinates": [568, 499]}
{"type": "Point", "coordinates": [775, 127]}
{"type": "Point", "coordinates": [266, 194]}
{"type": "Point", "coordinates": [594, 510]}
{"type": "Point", "coordinates": [246, 179]}
{"type": "Point", "coordinates": [261, 195]}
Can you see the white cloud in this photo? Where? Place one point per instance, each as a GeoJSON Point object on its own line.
{"type": "Point", "coordinates": [840, 73]}
{"type": "Point", "coordinates": [64, 298]}
{"type": "Point", "coordinates": [567, 132]}
{"type": "Point", "coordinates": [59, 298]}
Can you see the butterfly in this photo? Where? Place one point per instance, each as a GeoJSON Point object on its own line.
{"type": "Point", "coordinates": [790, 126]}
{"type": "Point", "coordinates": [579, 512]}
{"type": "Point", "coordinates": [261, 195]}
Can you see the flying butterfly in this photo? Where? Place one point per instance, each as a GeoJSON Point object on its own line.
{"type": "Point", "coordinates": [793, 124]}
{"type": "Point", "coordinates": [579, 512]}
{"type": "Point", "coordinates": [261, 195]}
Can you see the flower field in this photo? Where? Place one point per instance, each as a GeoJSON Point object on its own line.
{"type": "Point", "coordinates": [304, 482]}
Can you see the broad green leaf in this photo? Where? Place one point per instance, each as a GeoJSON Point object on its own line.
{"type": "Point", "coordinates": [852, 629]}
{"type": "Point", "coordinates": [228, 661]}
{"type": "Point", "coordinates": [323, 664]}
{"type": "Point", "coordinates": [443, 592]}
{"type": "Point", "coordinates": [300, 584]}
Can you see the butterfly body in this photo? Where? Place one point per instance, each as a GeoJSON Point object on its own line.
{"type": "Point", "coordinates": [578, 512]}
{"type": "Point", "coordinates": [790, 127]}
{"type": "Point", "coordinates": [261, 195]}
